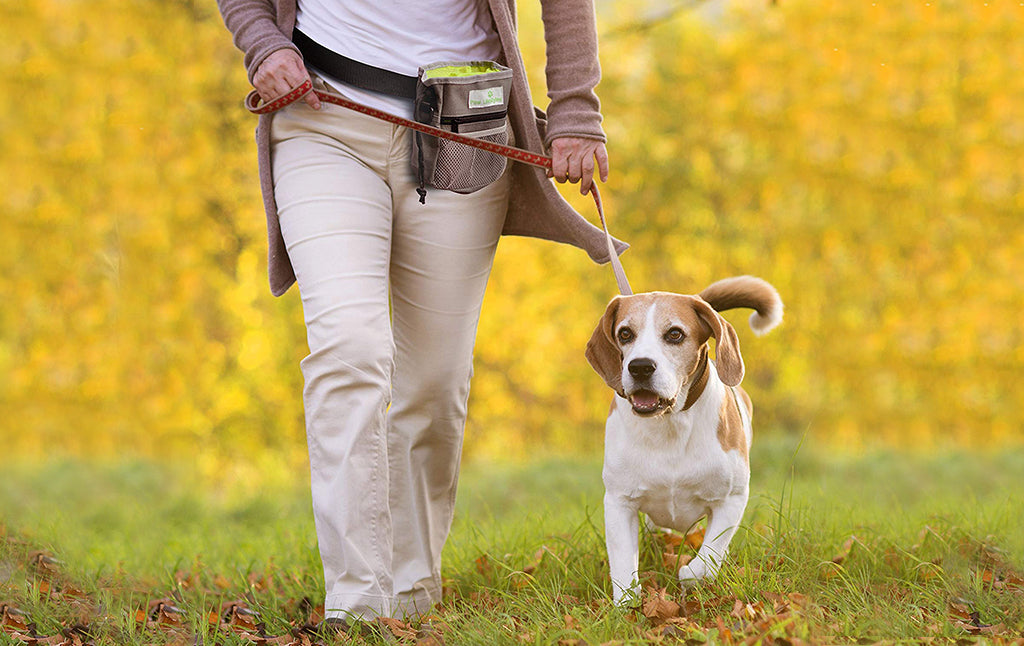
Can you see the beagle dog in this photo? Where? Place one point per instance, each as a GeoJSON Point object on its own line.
{"type": "Point", "coordinates": [678, 435]}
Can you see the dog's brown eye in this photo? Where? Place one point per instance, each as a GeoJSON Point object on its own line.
{"type": "Point", "coordinates": [674, 335]}
{"type": "Point", "coordinates": [626, 335]}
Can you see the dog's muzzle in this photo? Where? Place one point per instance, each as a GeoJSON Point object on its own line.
{"type": "Point", "coordinates": [645, 401]}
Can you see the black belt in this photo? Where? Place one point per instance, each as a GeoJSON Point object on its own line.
{"type": "Point", "coordinates": [353, 72]}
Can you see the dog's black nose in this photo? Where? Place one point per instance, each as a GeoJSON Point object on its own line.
{"type": "Point", "coordinates": [641, 368]}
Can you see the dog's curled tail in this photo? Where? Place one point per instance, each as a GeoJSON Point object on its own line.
{"type": "Point", "coordinates": [747, 291]}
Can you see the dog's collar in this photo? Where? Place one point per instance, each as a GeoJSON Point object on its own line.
{"type": "Point", "coordinates": [697, 387]}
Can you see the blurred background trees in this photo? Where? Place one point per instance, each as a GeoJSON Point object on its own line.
{"type": "Point", "coordinates": [866, 159]}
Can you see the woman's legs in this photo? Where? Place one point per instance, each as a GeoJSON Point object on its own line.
{"type": "Point", "coordinates": [383, 479]}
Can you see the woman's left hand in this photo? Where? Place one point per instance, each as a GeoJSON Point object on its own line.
{"type": "Point", "coordinates": [573, 159]}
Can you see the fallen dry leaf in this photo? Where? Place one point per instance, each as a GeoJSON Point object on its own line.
{"type": "Point", "coordinates": [844, 552]}
{"type": "Point", "coordinates": [179, 638]}
{"type": "Point", "coordinates": [571, 623]}
{"type": "Point", "coordinates": [14, 619]}
{"type": "Point", "coordinates": [258, 582]}
{"type": "Point", "coordinates": [798, 600]}
{"type": "Point", "coordinates": [44, 564]}
{"type": "Point", "coordinates": [160, 612]}
{"type": "Point", "coordinates": [748, 611]}
{"type": "Point", "coordinates": [695, 538]}
{"type": "Point", "coordinates": [675, 561]}
{"type": "Point", "coordinates": [538, 558]}
{"type": "Point", "coordinates": [314, 614]}
{"type": "Point", "coordinates": [981, 629]}
{"type": "Point", "coordinates": [184, 579]}
{"type": "Point", "coordinates": [52, 640]}
{"type": "Point", "coordinates": [298, 639]}
{"type": "Point", "coordinates": [964, 617]}
{"type": "Point", "coordinates": [779, 602]}
{"type": "Point", "coordinates": [237, 616]}
{"type": "Point", "coordinates": [658, 607]}
{"type": "Point", "coordinates": [398, 628]}
{"type": "Point", "coordinates": [429, 639]}
{"type": "Point", "coordinates": [483, 564]}
{"type": "Point", "coordinates": [723, 632]}
{"type": "Point", "coordinates": [672, 540]}
{"type": "Point", "coordinates": [673, 632]}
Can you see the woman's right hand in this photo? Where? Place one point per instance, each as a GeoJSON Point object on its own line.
{"type": "Point", "coordinates": [281, 72]}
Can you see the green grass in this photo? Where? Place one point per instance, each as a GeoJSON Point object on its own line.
{"type": "Point", "coordinates": [881, 546]}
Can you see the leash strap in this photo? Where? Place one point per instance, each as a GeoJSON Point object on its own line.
{"type": "Point", "coordinates": [255, 104]}
{"type": "Point", "coordinates": [617, 269]}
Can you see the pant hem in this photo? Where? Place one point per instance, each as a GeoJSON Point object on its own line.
{"type": "Point", "coordinates": [416, 604]}
{"type": "Point", "coordinates": [356, 606]}
{"type": "Point", "coordinates": [369, 607]}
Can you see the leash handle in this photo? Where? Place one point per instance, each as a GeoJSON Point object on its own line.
{"type": "Point", "coordinates": [254, 104]}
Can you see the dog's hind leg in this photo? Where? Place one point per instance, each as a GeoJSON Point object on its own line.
{"type": "Point", "coordinates": [723, 521]}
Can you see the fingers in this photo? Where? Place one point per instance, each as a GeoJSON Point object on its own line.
{"type": "Point", "coordinates": [559, 161]}
{"type": "Point", "coordinates": [313, 100]}
{"type": "Point", "coordinates": [574, 159]}
{"type": "Point", "coordinates": [601, 155]}
{"type": "Point", "coordinates": [586, 173]}
{"type": "Point", "coordinates": [281, 72]}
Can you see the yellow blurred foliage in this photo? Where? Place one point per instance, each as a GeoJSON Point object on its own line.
{"type": "Point", "coordinates": [864, 158]}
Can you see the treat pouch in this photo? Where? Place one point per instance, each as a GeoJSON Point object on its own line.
{"type": "Point", "coordinates": [470, 98]}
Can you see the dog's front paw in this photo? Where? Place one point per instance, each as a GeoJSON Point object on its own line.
{"type": "Point", "coordinates": [692, 573]}
{"type": "Point", "coordinates": [627, 597]}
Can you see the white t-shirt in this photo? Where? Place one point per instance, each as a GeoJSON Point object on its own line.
{"type": "Point", "coordinates": [400, 36]}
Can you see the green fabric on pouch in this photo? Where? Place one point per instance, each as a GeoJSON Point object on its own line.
{"type": "Point", "coordinates": [460, 70]}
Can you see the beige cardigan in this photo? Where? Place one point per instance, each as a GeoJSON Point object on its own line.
{"type": "Point", "coordinates": [260, 27]}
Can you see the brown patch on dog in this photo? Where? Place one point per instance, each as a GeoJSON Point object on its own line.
{"type": "Point", "coordinates": [745, 398]}
{"type": "Point", "coordinates": [697, 385]}
{"type": "Point", "coordinates": [602, 351]}
{"type": "Point", "coordinates": [730, 426]}
{"type": "Point", "coordinates": [728, 360]}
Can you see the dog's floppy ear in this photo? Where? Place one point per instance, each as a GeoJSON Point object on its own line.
{"type": "Point", "coordinates": [602, 351]}
{"type": "Point", "coordinates": [728, 359]}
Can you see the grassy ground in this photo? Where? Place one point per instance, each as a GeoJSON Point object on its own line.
{"type": "Point", "coordinates": [883, 546]}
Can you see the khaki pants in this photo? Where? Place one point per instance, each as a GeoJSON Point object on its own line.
{"type": "Point", "coordinates": [391, 292]}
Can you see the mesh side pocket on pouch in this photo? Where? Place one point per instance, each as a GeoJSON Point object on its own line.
{"type": "Point", "coordinates": [464, 169]}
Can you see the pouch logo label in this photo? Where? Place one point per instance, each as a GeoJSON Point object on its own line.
{"type": "Point", "coordinates": [487, 97]}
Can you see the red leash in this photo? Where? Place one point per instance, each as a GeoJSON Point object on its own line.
{"type": "Point", "coordinates": [254, 104]}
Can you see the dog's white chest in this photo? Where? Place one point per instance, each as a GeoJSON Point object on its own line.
{"type": "Point", "coordinates": [668, 470]}
{"type": "Point", "coordinates": [678, 502]}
